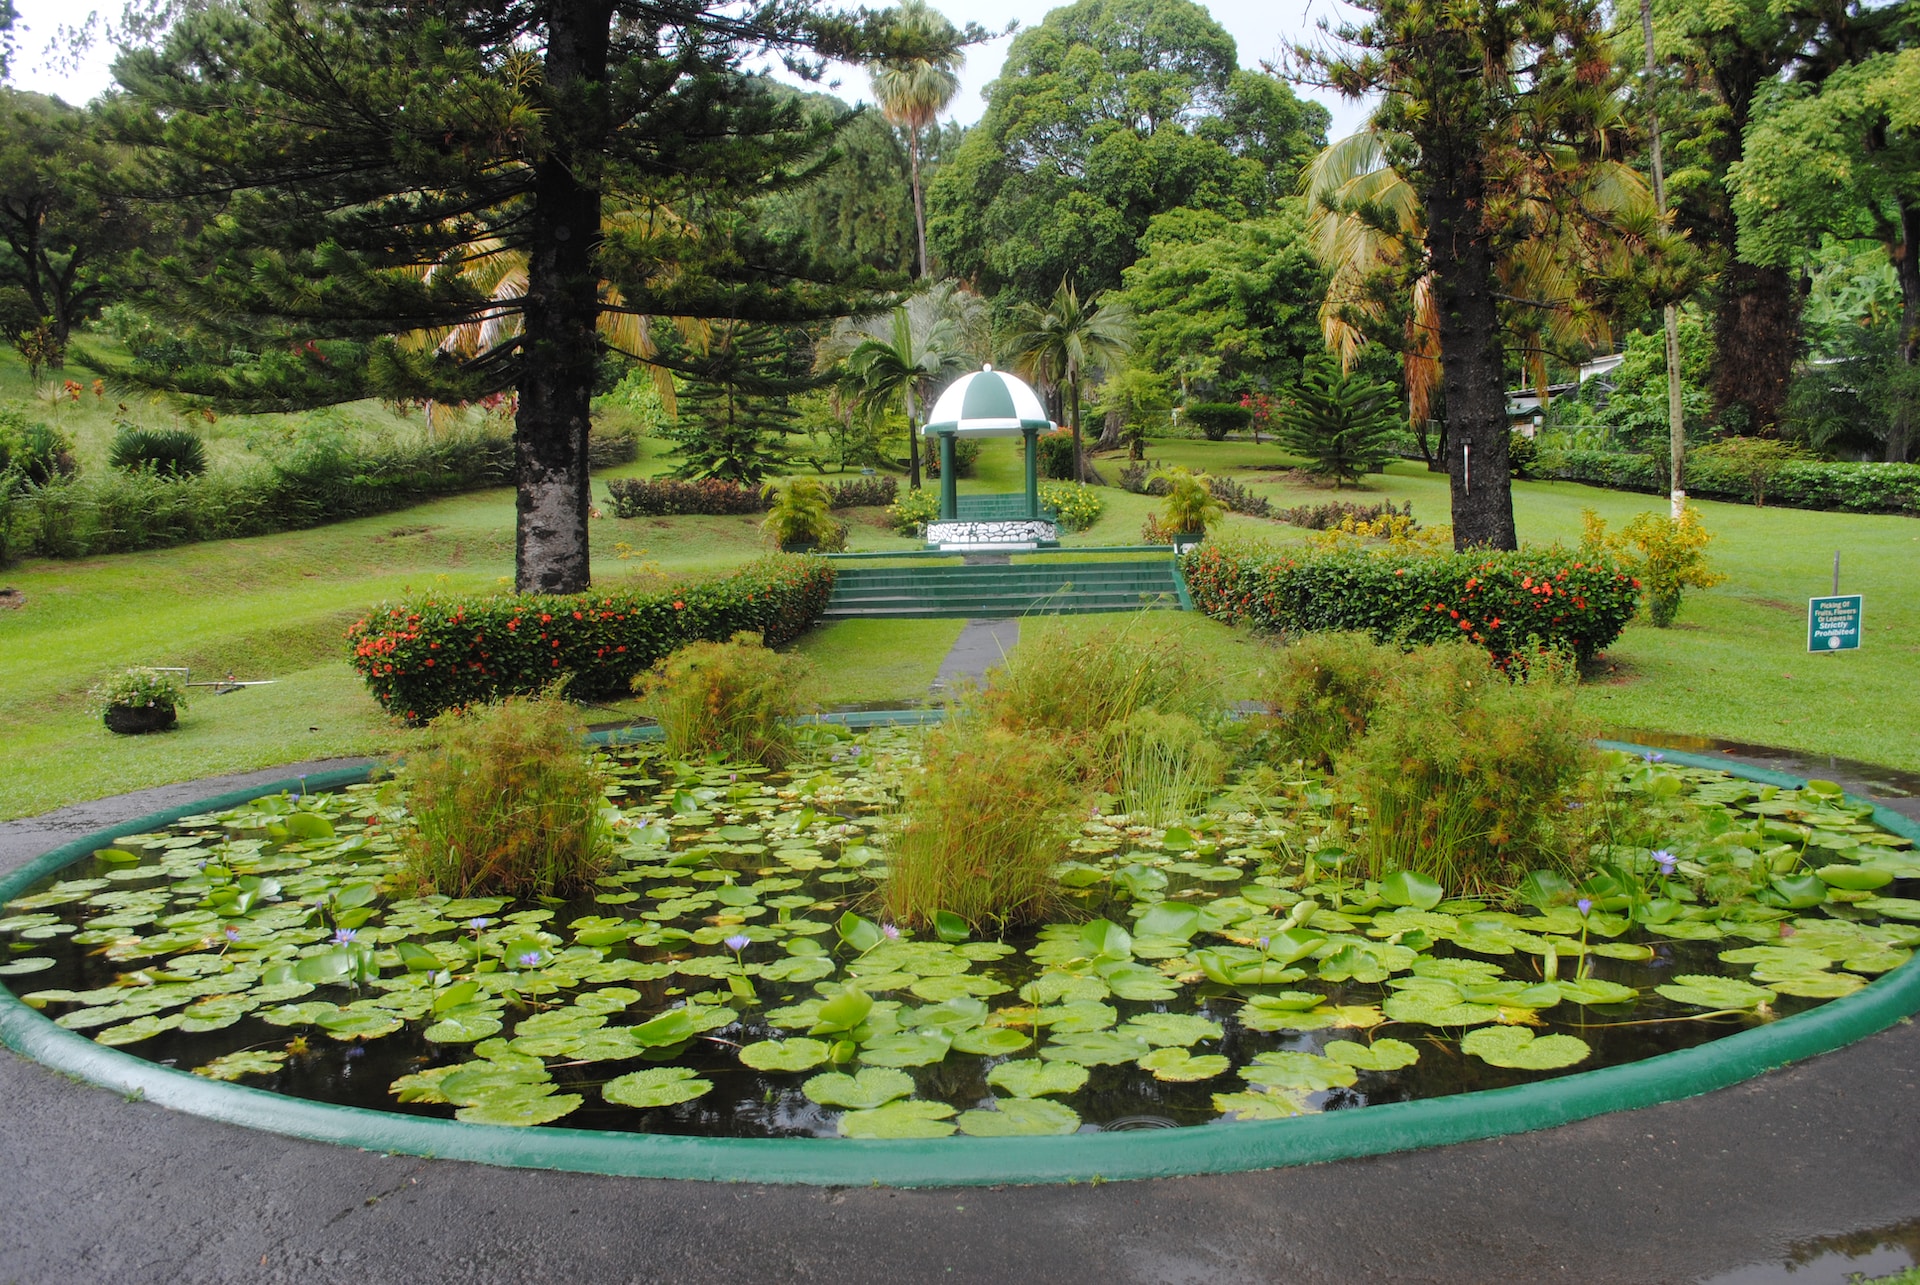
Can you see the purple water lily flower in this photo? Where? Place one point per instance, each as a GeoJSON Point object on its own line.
{"type": "Point", "coordinates": [1665, 860]}
{"type": "Point", "coordinates": [344, 936]}
{"type": "Point", "coordinates": [737, 943]}
{"type": "Point", "coordinates": [1264, 942]}
{"type": "Point", "coordinates": [478, 923]}
{"type": "Point", "coordinates": [232, 934]}
{"type": "Point", "coordinates": [529, 960]}
{"type": "Point", "coordinates": [892, 932]}
{"type": "Point", "coordinates": [1584, 905]}
{"type": "Point", "coordinates": [1655, 756]}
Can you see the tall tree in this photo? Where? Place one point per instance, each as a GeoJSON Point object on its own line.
{"type": "Point", "coordinates": [1105, 114]}
{"type": "Point", "coordinates": [898, 357]}
{"type": "Point", "coordinates": [915, 85]}
{"type": "Point", "coordinates": [1492, 113]}
{"type": "Point", "coordinates": [344, 160]}
{"type": "Point", "coordinates": [64, 229]}
{"type": "Point", "coordinates": [1059, 345]}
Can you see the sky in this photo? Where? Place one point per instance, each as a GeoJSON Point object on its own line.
{"type": "Point", "coordinates": [1261, 28]}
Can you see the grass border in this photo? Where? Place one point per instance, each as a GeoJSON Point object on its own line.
{"type": "Point", "coordinates": [961, 1161]}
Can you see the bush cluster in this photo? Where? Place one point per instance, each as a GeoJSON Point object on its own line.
{"type": "Point", "coordinates": [966, 456]}
{"type": "Point", "coordinates": [863, 492]}
{"type": "Point", "coordinates": [612, 448]}
{"type": "Point", "coordinates": [167, 452]}
{"type": "Point", "coordinates": [1217, 419]}
{"type": "Point", "coordinates": [31, 451]}
{"type": "Point", "coordinates": [1508, 603]}
{"type": "Point", "coordinates": [662, 497]}
{"type": "Point", "coordinates": [1074, 505]}
{"type": "Point", "coordinates": [910, 513]}
{"type": "Point", "coordinates": [1323, 517]}
{"type": "Point", "coordinates": [1056, 456]}
{"type": "Point", "coordinates": [735, 698]}
{"type": "Point", "coordinates": [115, 512]}
{"type": "Point", "coordinates": [425, 656]}
{"type": "Point", "coordinates": [1791, 483]}
{"type": "Point", "coordinates": [1239, 498]}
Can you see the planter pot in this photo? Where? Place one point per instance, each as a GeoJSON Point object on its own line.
{"type": "Point", "coordinates": [799, 546]}
{"type": "Point", "coordinates": [132, 720]}
{"type": "Point", "coordinates": [1184, 540]}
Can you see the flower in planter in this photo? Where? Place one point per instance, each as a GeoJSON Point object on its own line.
{"type": "Point", "coordinates": [140, 700]}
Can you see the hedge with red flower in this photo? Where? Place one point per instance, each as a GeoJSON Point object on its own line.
{"type": "Point", "coordinates": [428, 655]}
{"type": "Point", "coordinates": [1505, 602]}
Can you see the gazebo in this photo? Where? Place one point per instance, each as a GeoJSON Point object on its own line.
{"type": "Point", "coordinates": [988, 403]}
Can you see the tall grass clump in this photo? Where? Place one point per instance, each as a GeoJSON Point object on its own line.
{"type": "Point", "coordinates": [1322, 692]}
{"type": "Point", "coordinates": [983, 824]}
{"type": "Point", "coordinates": [1467, 774]}
{"type": "Point", "coordinates": [735, 699]}
{"type": "Point", "coordinates": [1167, 765]}
{"type": "Point", "coordinates": [506, 800]}
{"type": "Point", "coordinates": [1081, 689]}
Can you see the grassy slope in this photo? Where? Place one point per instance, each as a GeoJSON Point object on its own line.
{"type": "Point", "coordinates": [1735, 666]}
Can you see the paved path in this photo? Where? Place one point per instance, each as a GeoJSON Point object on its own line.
{"type": "Point", "coordinates": [105, 1190]}
{"type": "Point", "coordinates": [980, 646]}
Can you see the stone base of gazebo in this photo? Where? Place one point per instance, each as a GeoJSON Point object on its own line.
{"type": "Point", "coordinates": [1013, 534]}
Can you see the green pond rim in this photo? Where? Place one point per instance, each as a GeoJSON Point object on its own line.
{"type": "Point", "coordinates": [962, 1161]}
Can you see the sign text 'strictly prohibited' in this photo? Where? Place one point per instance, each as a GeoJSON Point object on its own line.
{"type": "Point", "coordinates": [1833, 624]}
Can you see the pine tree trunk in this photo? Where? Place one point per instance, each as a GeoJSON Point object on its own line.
{"type": "Point", "coordinates": [1906, 267]}
{"type": "Point", "coordinates": [913, 444]}
{"type": "Point", "coordinates": [1472, 367]}
{"type": "Point", "coordinates": [561, 340]}
{"type": "Point", "coordinates": [1755, 343]}
{"type": "Point", "coordinates": [919, 203]}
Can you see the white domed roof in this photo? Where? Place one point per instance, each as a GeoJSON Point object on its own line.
{"type": "Point", "coordinates": [987, 403]}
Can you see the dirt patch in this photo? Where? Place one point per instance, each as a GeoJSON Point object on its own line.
{"type": "Point", "coordinates": [1608, 672]}
{"type": "Point", "coordinates": [402, 532]}
{"type": "Point", "coordinates": [1795, 607]}
{"type": "Point", "coordinates": [12, 599]}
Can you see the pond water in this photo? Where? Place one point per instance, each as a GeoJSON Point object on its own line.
{"type": "Point", "coordinates": [730, 975]}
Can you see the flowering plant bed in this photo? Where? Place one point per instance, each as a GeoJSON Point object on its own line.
{"type": "Point", "coordinates": [722, 978]}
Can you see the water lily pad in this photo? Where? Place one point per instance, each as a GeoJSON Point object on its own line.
{"type": "Point", "coordinates": [1854, 878]}
{"type": "Point", "coordinates": [797, 1054]}
{"type": "Point", "coordinates": [1095, 1048]}
{"type": "Point", "coordinates": [1706, 991]}
{"type": "Point", "coordinates": [990, 1041]}
{"type": "Point", "coordinates": [464, 1023]}
{"type": "Point", "coordinates": [1031, 1078]}
{"type": "Point", "coordinates": [1020, 1118]}
{"type": "Point", "coordinates": [899, 1120]}
{"type": "Point", "coordinates": [1381, 1055]}
{"type": "Point", "coordinates": [868, 1088]}
{"type": "Point", "coordinates": [1052, 988]}
{"type": "Point", "coordinates": [959, 986]}
{"type": "Point", "coordinates": [354, 1023]}
{"type": "Point", "coordinates": [232, 1066]}
{"type": "Point", "coordinates": [1276, 1105]}
{"type": "Point", "coordinates": [24, 967]}
{"type": "Point", "coordinates": [140, 1028]}
{"type": "Point", "coordinates": [1173, 1029]}
{"type": "Point", "coordinates": [1307, 1072]}
{"type": "Point", "coordinates": [907, 1048]}
{"type": "Point", "coordinates": [1593, 990]}
{"type": "Point", "coordinates": [1076, 1018]}
{"type": "Point", "coordinates": [520, 1110]}
{"type": "Point", "coordinates": [1520, 1048]}
{"type": "Point", "coordinates": [1817, 985]}
{"type": "Point", "coordinates": [657, 1086]}
{"type": "Point", "coordinates": [216, 1012]}
{"type": "Point", "coordinates": [1133, 982]}
{"type": "Point", "coordinates": [1178, 1066]}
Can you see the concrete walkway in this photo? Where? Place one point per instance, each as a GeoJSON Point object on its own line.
{"type": "Point", "coordinates": [106, 1190]}
{"type": "Point", "coordinates": [982, 644]}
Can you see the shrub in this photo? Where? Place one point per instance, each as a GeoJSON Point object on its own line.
{"type": "Point", "coordinates": [1508, 603]}
{"type": "Point", "coordinates": [425, 656]}
{"type": "Point", "coordinates": [863, 492]}
{"type": "Point", "coordinates": [730, 698]}
{"type": "Point", "coordinates": [139, 688]}
{"type": "Point", "coordinates": [1756, 459]}
{"type": "Point", "coordinates": [1142, 476]}
{"type": "Point", "coordinates": [1238, 498]}
{"type": "Point", "coordinates": [1322, 693]}
{"type": "Point", "coordinates": [1056, 456]}
{"type": "Point", "coordinates": [1190, 504]}
{"type": "Point", "coordinates": [799, 517]}
{"type": "Point", "coordinates": [506, 800]}
{"type": "Point", "coordinates": [33, 451]}
{"type": "Point", "coordinates": [1466, 775]}
{"type": "Point", "coordinates": [982, 825]}
{"type": "Point", "coordinates": [1522, 453]}
{"type": "Point", "coordinates": [1793, 483]}
{"type": "Point", "coordinates": [910, 513]}
{"type": "Point", "coordinates": [611, 447]}
{"type": "Point", "coordinates": [1156, 530]}
{"type": "Point", "coordinates": [1668, 556]}
{"type": "Point", "coordinates": [1339, 422]}
{"type": "Point", "coordinates": [1074, 504]}
{"type": "Point", "coordinates": [659, 497]}
{"type": "Point", "coordinates": [1216, 419]}
{"type": "Point", "coordinates": [167, 452]}
{"type": "Point", "coordinates": [1320, 517]}
{"type": "Point", "coordinates": [966, 455]}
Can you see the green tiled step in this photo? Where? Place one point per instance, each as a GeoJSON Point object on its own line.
{"type": "Point", "coordinates": [979, 591]}
{"type": "Point", "coordinates": [1005, 506]}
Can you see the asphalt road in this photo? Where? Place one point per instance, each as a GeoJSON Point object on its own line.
{"type": "Point", "coordinates": [106, 1190]}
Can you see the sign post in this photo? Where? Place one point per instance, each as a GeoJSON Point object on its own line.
{"type": "Point", "coordinates": [1833, 623]}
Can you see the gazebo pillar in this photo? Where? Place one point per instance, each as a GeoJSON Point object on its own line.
{"type": "Point", "coordinates": [1032, 436]}
{"type": "Point", "coordinates": [949, 484]}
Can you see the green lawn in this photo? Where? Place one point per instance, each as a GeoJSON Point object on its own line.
{"type": "Point", "coordinates": [1734, 666]}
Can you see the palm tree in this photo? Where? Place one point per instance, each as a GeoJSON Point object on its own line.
{"type": "Point", "coordinates": [898, 356]}
{"type": "Point", "coordinates": [1057, 345]}
{"type": "Point", "coordinates": [915, 86]}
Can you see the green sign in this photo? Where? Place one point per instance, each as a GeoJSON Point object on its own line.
{"type": "Point", "coordinates": [1833, 624]}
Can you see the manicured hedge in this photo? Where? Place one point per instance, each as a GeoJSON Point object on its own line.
{"type": "Point", "coordinates": [424, 656]}
{"type": "Point", "coordinates": [660, 497]}
{"type": "Point", "coordinates": [1794, 484]}
{"type": "Point", "coordinates": [1504, 601]}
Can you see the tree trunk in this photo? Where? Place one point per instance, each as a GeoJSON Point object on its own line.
{"type": "Point", "coordinates": [913, 444]}
{"type": "Point", "coordinates": [1756, 341]}
{"type": "Point", "coordinates": [561, 339]}
{"type": "Point", "coordinates": [1472, 367]}
{"type": "Point", "coordinates": [1109, 432]}
{"type": "Point", "coordinates": [1906, 267]}
{"type": "Point", "coordinates": [1073, 409]}
{"type": "Point", "coordinates": [919, 203]}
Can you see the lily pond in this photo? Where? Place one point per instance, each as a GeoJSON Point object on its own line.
{"type": "Point", "coordinates": [729, 975]}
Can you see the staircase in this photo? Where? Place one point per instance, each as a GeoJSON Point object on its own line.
{"type": "Point", "coordinates": [1039, 588]}
{"type": "Point", "coordinates": [1004, 506]}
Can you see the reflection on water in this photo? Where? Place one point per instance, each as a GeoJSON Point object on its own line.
{"type": "Point", "coordinates": [1868, 780]}
{"type": "Point", "coordinates": [1835, 1260]}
